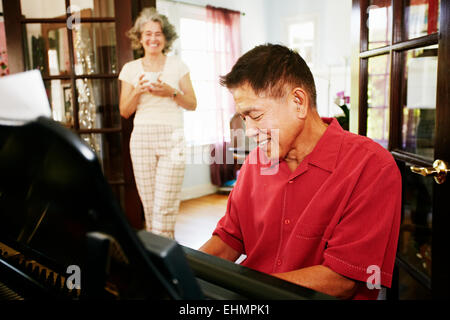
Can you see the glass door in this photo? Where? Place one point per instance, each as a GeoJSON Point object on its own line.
{"type": "Point", "coordinates": [79, 47]}
{"type": "Point", "coordinates": [402, 88]}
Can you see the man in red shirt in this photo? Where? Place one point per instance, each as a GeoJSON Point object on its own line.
{"type": "Point", "coordinates": [313, 204]}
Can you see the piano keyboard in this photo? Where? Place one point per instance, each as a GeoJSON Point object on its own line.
{"type": "Point", "coordinates": [41, 274]}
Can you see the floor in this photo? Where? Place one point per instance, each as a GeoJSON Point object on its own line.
{"type": "Point", "coordinates": [198, 218]}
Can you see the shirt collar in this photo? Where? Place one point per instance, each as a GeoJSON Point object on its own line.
{"type": "Point", "coordinates": [326, 152]}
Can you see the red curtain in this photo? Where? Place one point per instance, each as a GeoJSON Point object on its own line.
{"type": "Point", "coordinates": [224, 41]}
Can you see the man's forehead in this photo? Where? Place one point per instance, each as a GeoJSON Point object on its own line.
{"type": "Point", "coordinates": [246, 100]}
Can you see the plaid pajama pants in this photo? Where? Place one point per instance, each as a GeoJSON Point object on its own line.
{"type": "Point", "coordinates": [157, 154]}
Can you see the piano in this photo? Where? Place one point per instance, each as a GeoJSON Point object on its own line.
{"type": "Point", "coordinates": [64, 236]}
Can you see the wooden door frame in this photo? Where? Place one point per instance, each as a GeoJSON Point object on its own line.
{"type": "Point", "coordinates": [441, 216]}
{"type": "Point", "coordinates": [358, 120]}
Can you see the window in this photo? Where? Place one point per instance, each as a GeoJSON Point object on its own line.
{"type": "Point", "coordinates": [209, 124]}
{"type": "Point", "coordinates": [200, 126]}
{"type": "Point", "coordinates": [301, 36]}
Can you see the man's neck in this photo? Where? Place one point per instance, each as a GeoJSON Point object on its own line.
{"type": "Point", "coordinates": [306, 141]}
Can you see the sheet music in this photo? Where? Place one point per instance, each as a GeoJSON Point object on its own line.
{"type": "Point", "coordinates": [23, 98]}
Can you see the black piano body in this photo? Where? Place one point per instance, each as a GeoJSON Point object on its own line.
{"type": "Point", "coordinates": [63, 235]}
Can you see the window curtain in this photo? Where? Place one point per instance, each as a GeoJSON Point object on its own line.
{"type": "Point", "coordinates": [224, 43]}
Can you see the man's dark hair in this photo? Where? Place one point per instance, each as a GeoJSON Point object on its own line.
{"type": "Point", "coordinates": [269, 69]}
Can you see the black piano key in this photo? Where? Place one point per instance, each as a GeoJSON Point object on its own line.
{"type": "Point", "coordinates": [29, 268]}
{"type": "Point", "coordinates": [59, 281]}
{"type": "Point", "coordinates": [74, 294]}
{"type": "Point", "coordinates": [22, 264]}
{"type": "Point", "coordinates": [36, 271]}
{"type": "Point", "coordinates": [50, 279]}
{"type": "Point", "coordinates": [42, 275]}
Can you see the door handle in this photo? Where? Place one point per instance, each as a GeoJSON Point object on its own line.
{"type": "Point", "coordinates": [438, 171]}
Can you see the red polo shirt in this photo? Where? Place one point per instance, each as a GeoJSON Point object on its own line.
{"type": "Point", "coordinates": [340, 208]}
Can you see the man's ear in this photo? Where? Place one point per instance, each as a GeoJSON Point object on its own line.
{"type": "Point", "coordinates": [301, 101]}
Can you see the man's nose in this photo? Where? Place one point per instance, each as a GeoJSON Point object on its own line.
{"type": "Point", "coordinates": [250, 130]}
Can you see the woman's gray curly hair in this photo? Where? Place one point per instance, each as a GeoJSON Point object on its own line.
{"type": "Point", "coordinates": [150, 14]}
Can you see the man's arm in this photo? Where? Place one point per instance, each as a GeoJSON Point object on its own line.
{"type": "Point", "coordinates": [319, 278]}
{"type": "Point", "coordinates": [322, 279]}
{"type": "Point", "coordinates": [216, 247]}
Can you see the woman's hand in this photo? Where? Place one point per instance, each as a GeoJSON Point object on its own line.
{"type": "Point", "coordinates": [161, 89]}
{"type": "Point", "coordinates": [143, 86]}
{"type": "Point", "coordinates": [130, 96]}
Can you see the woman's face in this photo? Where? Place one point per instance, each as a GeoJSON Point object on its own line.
{"type": "Point", "coordinates": [152, 37]}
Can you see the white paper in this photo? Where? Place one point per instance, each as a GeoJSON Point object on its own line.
{"type": "Point", "coordinates": [23, 98]}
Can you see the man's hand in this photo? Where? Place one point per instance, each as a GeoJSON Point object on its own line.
{"type": "Point", "coordinates": [322, 279]}
{"type": "Point", "coordinates": [216, 247]}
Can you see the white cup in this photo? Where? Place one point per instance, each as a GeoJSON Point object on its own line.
{"type": "Point", "coordinates": [151, 77]}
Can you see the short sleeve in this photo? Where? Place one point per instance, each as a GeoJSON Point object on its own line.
{"type": "Point", "coordinates": [127, 74]}
{"type": "Point", "coordinates": [366, 237]}
{"type": "Point", "coordinates": [182, 69]}
{"type": "Point", "coordinates": [228, 229]}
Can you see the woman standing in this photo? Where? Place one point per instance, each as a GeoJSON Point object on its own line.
{"type": "Point", "coordinates": [156, 88]}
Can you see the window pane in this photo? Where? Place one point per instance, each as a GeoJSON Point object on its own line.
{"type": "Point", "coordinates": [197, 60]}
{"type": "Point", "coordinates": [192, 34]}
{"type": "Point", "coordinates": [93, 8]}
{"type": "Point", "coordinates": [378, 99]}
{"type": "Point", "coordinates": [415, 231]}
{"type": "Point", "coordinates": [43, 8]}
{"type": "Point", "coordinates": [301, 39]}
{"type": "Point", "coordinates": [46, 48]}
{"type": "Point", "coordinates": [98, 103]}
{"type": "Point", "coordinates": [419, 107]}
{"type": "Point", "coordinates": [421, 17]}
{"type": "Point", "coordinates": [95, 48]}
{"type": "Point", "coordinates": [200, 125]}
{"type": "Point", "coordinates": [379, 23]}
{"type": "Point", "coordinates": [59, 94]}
